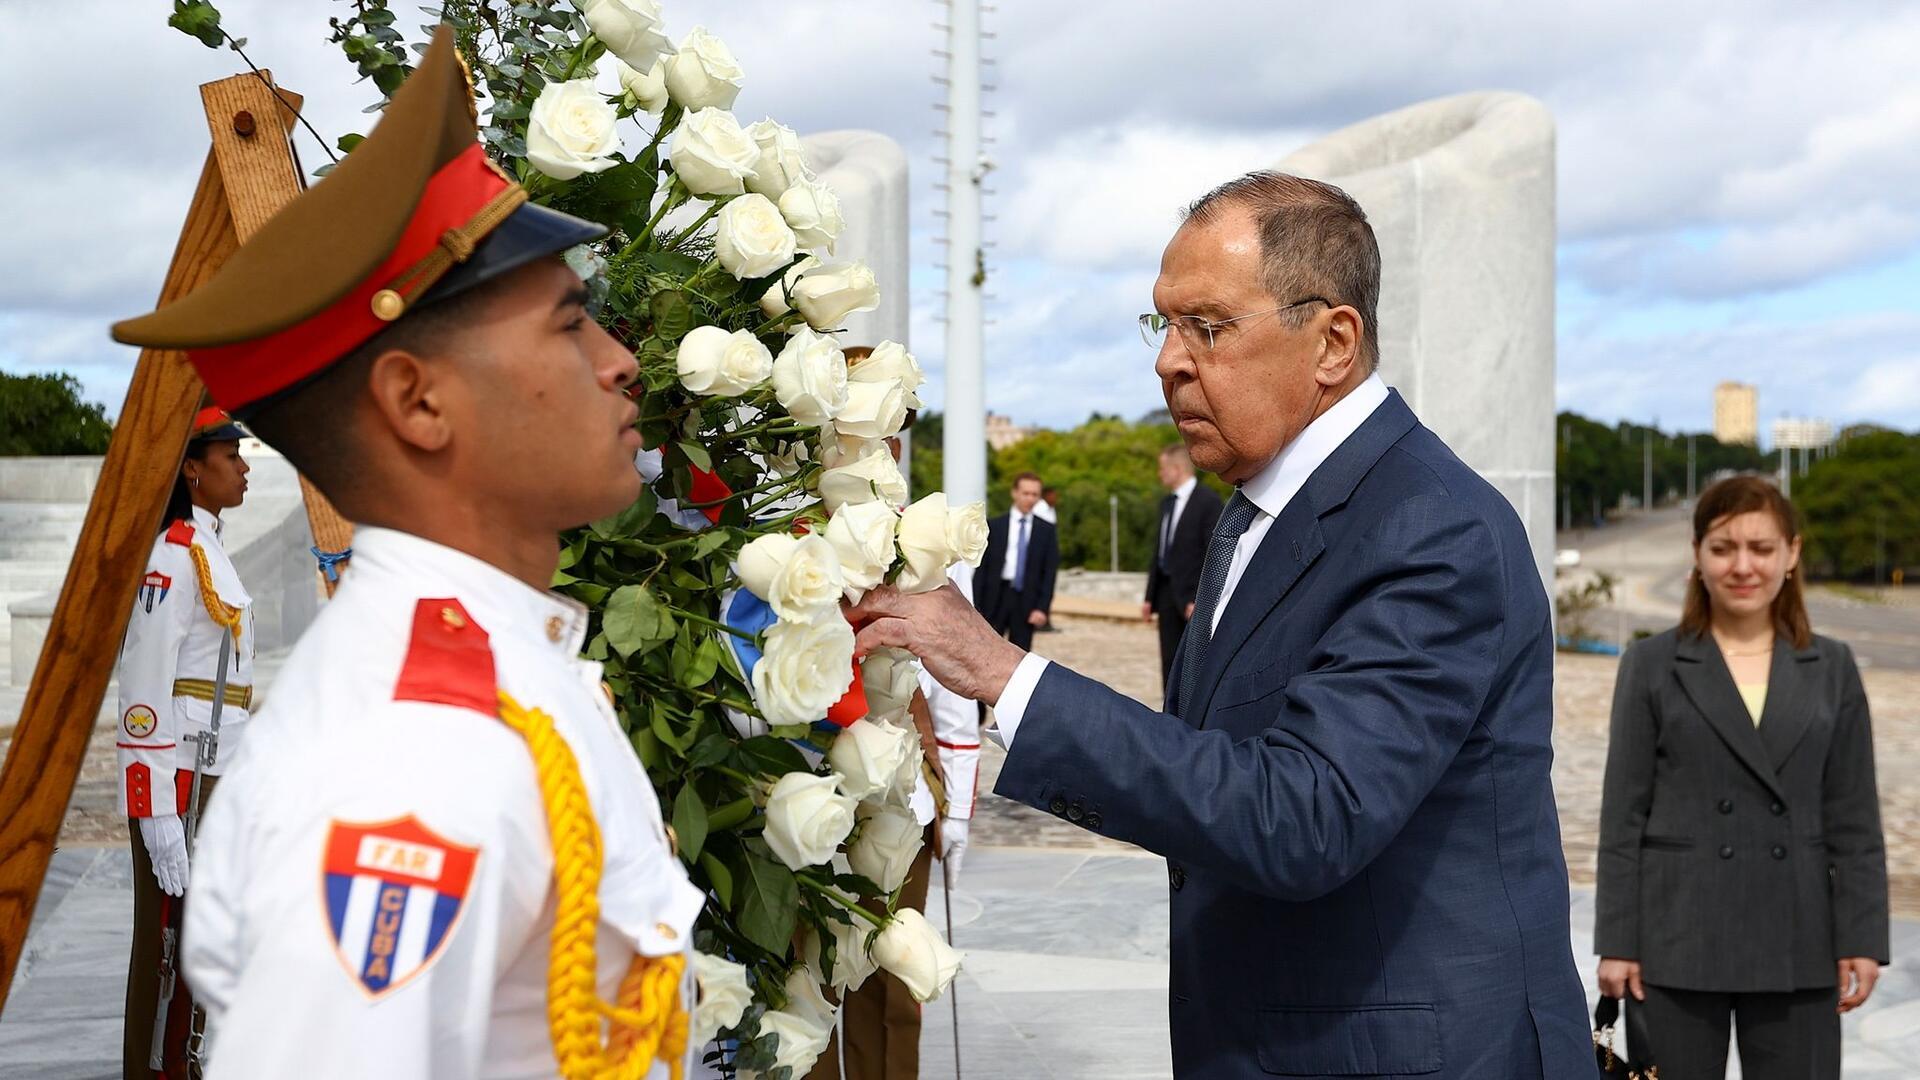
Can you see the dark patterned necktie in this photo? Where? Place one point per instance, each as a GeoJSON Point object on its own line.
{"type": "Point", "coordinates": [1213, 579]}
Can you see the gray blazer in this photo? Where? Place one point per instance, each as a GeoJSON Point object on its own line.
{"type": "Point", "coordinates": [1737, 859]}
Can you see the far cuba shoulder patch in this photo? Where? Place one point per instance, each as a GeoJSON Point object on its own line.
{"type": "Point", "coordinates": [394, 892]}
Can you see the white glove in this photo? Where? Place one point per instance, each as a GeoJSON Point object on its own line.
{"type": "Point", "coordinates": [166, 839]}
{"type": "Point", "coordinates": [953, 837]}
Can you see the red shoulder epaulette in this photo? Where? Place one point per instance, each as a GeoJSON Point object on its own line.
{"type": "Point", "coordinates": [449, 660]}
{"type": "Point", "coordinates": [180, 532]}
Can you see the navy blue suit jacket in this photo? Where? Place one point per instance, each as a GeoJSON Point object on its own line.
{"type": "Point", "coordinates": [1356, 810]}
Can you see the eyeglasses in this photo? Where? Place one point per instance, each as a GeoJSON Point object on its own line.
{"type": "Point", "coordinates": [1198, 333]}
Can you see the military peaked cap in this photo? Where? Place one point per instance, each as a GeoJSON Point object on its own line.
{"type": "Point", "coordinates": [416, 213]}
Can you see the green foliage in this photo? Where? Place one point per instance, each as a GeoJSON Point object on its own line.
{"type": "Point", "coordinates": [1596, 465]}
{"type": "Point", "coordinates": [1861, 506]}
{"type": "Point", "coordinates": [198, 19]}
{"type": "Point", "coordinates": [43, 415]}
{"type": "Point", "coordinates": [1106, 456]}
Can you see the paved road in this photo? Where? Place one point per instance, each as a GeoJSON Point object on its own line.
{"type": "Point", "coordinates": [1651, 554]}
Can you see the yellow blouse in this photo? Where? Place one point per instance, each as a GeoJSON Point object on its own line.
{"type": "Point", "coordinates": [1755, 695]}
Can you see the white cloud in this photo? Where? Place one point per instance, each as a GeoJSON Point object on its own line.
{"type": "Point", "coordinates": [1705, 151]}
{"type": "Point", "coordinates": [1848, 368]}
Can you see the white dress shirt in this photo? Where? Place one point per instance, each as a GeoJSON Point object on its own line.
{"type": "Point", "coordinates": [1270, 490]}
{"type": "Point", "coordinates": [1180, 496]}
{"type": "Point", "coordinates": [279, 962]}
{"type": "Point", "coordinates": [1045, 512]}
{"type": "Point", "coordinates": [1014, 518]}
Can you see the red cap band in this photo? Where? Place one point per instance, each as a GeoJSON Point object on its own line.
{"type": "Point", "coordinates": [243, 373]}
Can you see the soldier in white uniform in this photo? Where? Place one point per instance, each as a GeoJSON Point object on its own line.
{"type": "Point", "coordinates": [189, 606]}
{"type": "Point", "coordinates": [437, 856]}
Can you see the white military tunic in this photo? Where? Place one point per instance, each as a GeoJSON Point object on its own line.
{"type": "Point", "coordinates": [168, 661]}
{"type": "Point", "coordinates": [373, 887]}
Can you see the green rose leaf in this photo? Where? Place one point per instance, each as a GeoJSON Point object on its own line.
{"type": "Point", "coordinates": [768, 900]}
{"type": "Point", "coordinates": [689, 821]}
{"type": "Point", "coordinates": [636, 621]}
{"type": "Point", "coordinates": [198, 19]}
{"type": "Point", "coordinates": [774, 757]}
{"type": "Point", "coordinates": [697, 455]}
{"type": "Point", "coordinates": [719, 877]}
{"type": "Point", "coordinates": [673, 314]}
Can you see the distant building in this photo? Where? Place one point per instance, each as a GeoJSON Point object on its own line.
{"type": "Point", "coordinates": [1736, 414]}
{"type": "Point", "coordinates": [1802, 433]}
{"type": "Point", "coordinates": [1002, 432]}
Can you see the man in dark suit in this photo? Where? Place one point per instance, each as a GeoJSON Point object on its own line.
{"type": "Point", "coordinates": [1013, 588]}
{"type": "Point", "coordinates": [1351, 779]}
{"type": "Point", "coordinates": [1187, 515]}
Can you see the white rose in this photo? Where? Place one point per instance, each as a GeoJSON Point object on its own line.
{"type": "Point", "coordinates": [869, 757]}
{"type": "Point", "coordinates": [630, 29]}
{"type": "Point", "coordinates": [774, 301]}
{"type": "Point", "coordinates": [804, 997]}
{"type": "Point", "coordinates": [798, 576]}
{"type": "Point", "coordinates": [724, 996]}
{"type": "Point", "coordinates": [810, 377]}
{"type": "Point", "coordinates": [967, 532]}
{"type": "Point", "coordinates": [789, 460]}
{"type": "Point", "coordinates": [873, 411]}
{"type": "Point", "coordinates": [885, 842]}
{"type": "Point", "coordinates": [813, 210]}
{"type": "Point", "coordinates": [711, 155]}
{"type": "Point", "coordinates": [807, 817]}
{"type": "Point", "coordinates": [805, 669]}
{"type": "Point", "coordinates": [851, 964]}
{"type": "Point", "coordinates": [712, 361]}
{"type": "Point", "coordinates": [802, 1041]}
{"type": "Point", "coordinates": [925, 544]}
{"type": "Point", "coordinates": [647, 87]}
{"type": "Point", "coordinates": [827, 296]}
{"type": "Point", "coordinates": [783, 160]}
{"type": "Point", "coordinates": [890, 677]}
{"type": "Point", "coordinates": [890, 362]}
{"type": "Point", "coordinates": [910, 950]}
{"type": "Point", "coordinates": [862, 534]}
{"type": "Point", "coordinates": [571, 130]}
{"type": "Point", "coordinates": [704, 74]}
{"type": "Point", "coordinates": [751, 239]}
{"type": "Point", "coordinates": [873, 475]}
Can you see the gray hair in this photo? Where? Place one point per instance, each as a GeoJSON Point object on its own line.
{"type": "Point", "coordinates": [1314, 241]}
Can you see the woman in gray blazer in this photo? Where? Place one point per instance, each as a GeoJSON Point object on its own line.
{"type": "Point", "coordinates": [1742, 871]}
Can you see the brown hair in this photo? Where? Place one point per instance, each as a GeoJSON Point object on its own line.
{"type": "Point", "coordinates": [1314, 241]}
{"type": "Point", "coordinates": [1025, 476]}
{"type": "Point", "coordinates": [1747, 495]}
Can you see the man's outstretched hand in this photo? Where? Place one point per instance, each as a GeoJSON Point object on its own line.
{"type": "Point", "coordinates": [941, 627]}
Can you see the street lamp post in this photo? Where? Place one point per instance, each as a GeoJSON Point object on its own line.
{"type": "Point", "coordinates": [1113, 528]}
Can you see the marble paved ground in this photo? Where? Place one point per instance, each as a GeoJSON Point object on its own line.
{"type": "Point", "coordinates": [1065, 977]}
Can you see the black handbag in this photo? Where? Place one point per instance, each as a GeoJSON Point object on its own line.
{"type": "Point", "coordinates": [1614, 1066]}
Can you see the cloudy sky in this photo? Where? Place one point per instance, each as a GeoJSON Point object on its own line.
{"type": "Point", "coordinates": [1739, 185]}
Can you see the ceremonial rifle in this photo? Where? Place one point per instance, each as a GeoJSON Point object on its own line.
{"type": "Point", "coordinates": [206, 751]}
{"type": "Point", "coordinates": [250, 173]}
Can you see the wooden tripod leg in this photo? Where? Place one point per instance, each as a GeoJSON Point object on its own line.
{"type": "Point", "coordinates": [249, 175]}
{"type": "Point", "coordinates": [108, 560]}
{"type": "Point", "coordinates": [264, 177]}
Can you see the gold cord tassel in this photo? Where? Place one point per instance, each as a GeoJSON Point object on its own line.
{"type": "Point", "coordinates": [221, 612]}
{"type": "Point", "coordinates": [649, 1021]}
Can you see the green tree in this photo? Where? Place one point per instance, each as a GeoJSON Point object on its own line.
{"type": "Point", "coordinates": [43, 415]}
{"type": "Point", "coordinates": [1862, 505]}
{"type": "Point", "coordinates": [1106, 456]}
{"type": "Point", "coordinates": [1596, 464]}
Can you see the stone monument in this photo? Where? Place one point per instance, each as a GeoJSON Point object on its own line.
{"type": "Point", "coordinates": [1460, 191]}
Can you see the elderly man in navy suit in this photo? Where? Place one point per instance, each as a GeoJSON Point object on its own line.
{"type": "Point", "coordinates": [1350, 779]}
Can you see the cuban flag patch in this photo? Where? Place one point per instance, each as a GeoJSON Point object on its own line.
{"type": "Point", "coordinates": [153, 589]}
{"type": "Point", "coordinates": [394, 890]}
